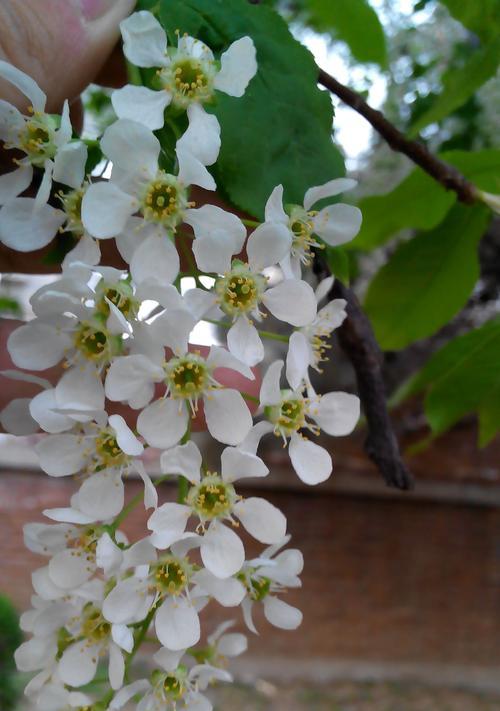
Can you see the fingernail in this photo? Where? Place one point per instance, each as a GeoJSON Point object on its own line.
{"type": "Point", "coordinates": [93, 9]}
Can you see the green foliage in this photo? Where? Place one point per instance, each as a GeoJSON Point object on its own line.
{"type": "Point", "coordinates": [459, 85]}
{"type": "Point", "coordinates": [353, 21]}
{"type": "Point", "coordinates": [460, 379]}
{"type": "Point", "coordinates": [10, 639]}
{"type": "Point", "coordinates": [9, 306]}
{"type": "Point", "coordinates": [427, 280]}
{"type": "Point", "coordinates": [420, 202]}
{"type": "Point", "coordinates": [480, 16]}
{"type": "Point", "coordinates": [280, 130]}
{"type": "Point", "coordinates": [339, 263]}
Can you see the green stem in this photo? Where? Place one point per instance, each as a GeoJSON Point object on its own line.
{"type": "Point", "coordinates": [182, 482]}
{"type": "Point", "coordinates": [262, 334]}
{"type": "Point", "coordinates": [250, 223]}
{"type": "Point", "coordinates": [134, 74]}
{"type": "Point", "coordinates": [133, 503]}
{"type": "Point", "coordinates": [252, 398]}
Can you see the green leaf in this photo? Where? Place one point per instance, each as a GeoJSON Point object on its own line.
{"type": "Point", "coordinates": [338, 261]}
{"type": "Point", "coordinates": [419, 201]}
{"type": "Point", "coordinates": [460, 379]}
{"type": "Point", "coordinates": [280, 130]}
{"type": "Point", "coordinates": [353, 21]}
{"type": "Point", "coordinates": [480, 16]}
{"type": "Point", "coordinates": [427, 280]}
{"type": "Point", "coordinates": [459, 85]}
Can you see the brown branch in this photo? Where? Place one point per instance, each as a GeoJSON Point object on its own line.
{"type": "Point", "coordinates": [449, 177]}
{"type": "Point", "coordinates": [358, 341]}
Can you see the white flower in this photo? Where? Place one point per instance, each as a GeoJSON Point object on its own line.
{"type": "Point", "coordinates": [94, 636]}
{"type": "Point", "coordinates": [219, 235]}
{"type": "Point", "coordinates": [186, 76]}
{"type": "Point", "coordinates": [171, 685]}
{"type": "Point", "coordinates": [163, 584]}
{"type": "Point", "coordinates": [137, 184]}
{"type": "Point", "coordinates": [213, 500]}
{"type": "Point", "coordinates": [267, 576]}
{"type": "Point", "coordinates": [189, 378]}
{"type": "Point", "coordinates": [328, 318]}
{"type": "Point", "coordinates": [92, 449]}
{"type": "Point", "coordinates": [77, 397]}
{"type": "Point", "coordinates": [27, 224]}
{"type": "Point", "coordinates": [288, 411]}
{"type": "Point", "coordinates": [334, 224]}
{"type": "Point", "coordinates": [243, 288]}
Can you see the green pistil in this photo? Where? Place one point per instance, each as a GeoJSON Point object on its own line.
{"type": "Point", "coordinates": [212, 498]}
{"type": "Point", "coordinates": [240, 290]}
{"type": "Point", "coordinates": [94, 627]}
{"type": "Point", "coordinates": [257, 588]}
{"type": "Point", "coordinates": [187, 377]}
{"type": "Point", "coordinates": [171, 575]}
{"type": "Point", "coordinates": [289, 415]}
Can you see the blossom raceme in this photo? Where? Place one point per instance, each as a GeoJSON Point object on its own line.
{"type": "Point", "coordinates": [102, 338]}
{"type": "Point", "coordinates": [187, 76]}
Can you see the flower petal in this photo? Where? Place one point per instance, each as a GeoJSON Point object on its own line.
{"type": "Point", "coordinates": [312, 462]}
{"type": "Point", "coordinates": [202, 137]}
{"type": "Point", "coordinates": [185, 459]}
{"type": "Point", "coordinates": [131, 147]}
{"type": "Point", "coordinates": [116, 667]}
{"type": "Point", "coordinates": [69, 164]}
{"type": "Point", "coordinates": [37, 345]}
{"type": "Point", "coordinates": [238, 67]}
{"type": "Point", "coordinates": [337, 224]}
{"type": "Point", "coordinates": [281, 614]}
{"type": "Point", "coordinates": [24, 83]}
{"type": "Point", "coordinates": [244, 342]}
{"type": "Point", "coordinates": [227, 415]}
{"type": "Point", "coordinates": [163, 423]}
{"type": "Point", "coordinates": [106, 209]}
{"type": "Point", "coordinates": [78, 663]}
{"type": "Point", "coordinates": [274, 211]}
{"type": "Point", "coordinates": [144, 40]}
{"type": "Point", "coordinates": [236, 464]}
{"type": "Point", "coordinates": [155, 259]}
{"type": "Point", "coordinates": [125, 438]}
{"type": "Point", "coordinates": [297, 359]}
{"type": "Point", "coordinates": [16, 419]}
{"type": "Point", "coordinates": [192, 171]}
{"type": "Point", "coordinates": [61, 455]}
{"type": "Point", "coordinates": [101, 495]}
{"type": "Point", "coordinates": [14, 183]}
{"type": "Point", "coordinates": [329, 189]}
{"type": "Point", "coordinates": [138, 103]}
{"type": "Point", "coordinates": [291, 301]}
{"type": "Point", "coordinates": [170, 520]}
{"type": "Point", "coordinates": [222, 551]}
{"type": "Point", "coordinates": [270, 391]}
{"type": "Point", "coordinates": [267, 245]}
{"type": "Point", "coordinates": [124, 602]}
{"type": "Point", "coordinates": [337, 413]}
{"type": "Point", "coordinates": [228, 592]}
{"type": "Point", "coordinates": [261, 519]}
{"type": "Point", "coordinates": [177, 624]}
{"type": "Point", "coordinates": [70, 568]}
{"type": "Point", "coordinates": [24, 229]}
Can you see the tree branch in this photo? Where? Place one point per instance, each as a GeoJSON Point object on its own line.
{"type": "Point", "coordinates": [449, 177]}
{"type": "Point", "coordinates": [358, 341]}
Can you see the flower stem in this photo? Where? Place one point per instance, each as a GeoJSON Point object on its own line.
{"type": "Point", "coordinates": [252, 398]}
{"type": "Point", "coordinates": [250, 223]}
{"type": "Point", "coordinates": [263, 334]}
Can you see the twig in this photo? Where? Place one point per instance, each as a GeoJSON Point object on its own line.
{"type": "Point", "coordinates": [358, 341]}
{"type": "Point", "coordinates": [449, 177]}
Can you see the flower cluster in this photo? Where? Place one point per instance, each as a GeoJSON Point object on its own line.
{"type": "Point", "coordinates": [123, 336]}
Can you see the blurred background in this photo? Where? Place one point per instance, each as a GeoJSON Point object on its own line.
{"type": "Point", "coordinates": [401, 591]}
